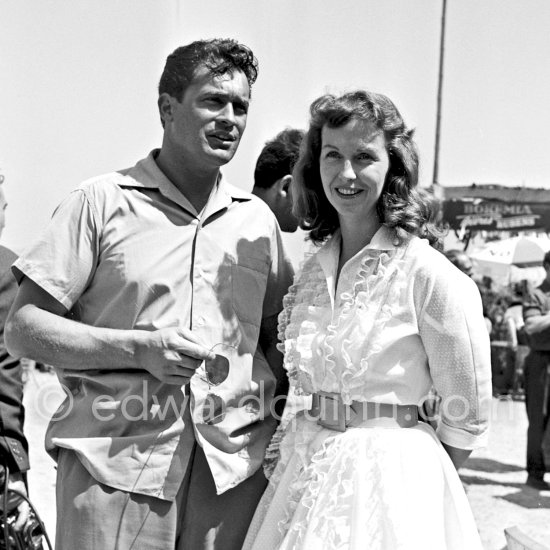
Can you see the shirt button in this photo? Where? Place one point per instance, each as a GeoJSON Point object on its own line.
{"type": "Point", "coordinates": [200, 321]}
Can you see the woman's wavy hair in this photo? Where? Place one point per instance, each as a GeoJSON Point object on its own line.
{"type": "Point", "coordinates": [400, 206]}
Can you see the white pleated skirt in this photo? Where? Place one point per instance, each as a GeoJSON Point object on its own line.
{"type": "Point", "coordinates": [375, 488]}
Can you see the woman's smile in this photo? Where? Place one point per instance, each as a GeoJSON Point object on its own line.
{"type": "Point", "coordinates": [348, 192]}
{"type": "Point", "coordinates": [353, 163]}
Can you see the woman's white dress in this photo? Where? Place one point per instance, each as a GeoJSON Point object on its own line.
{"type": "Point", "coordinates": [403, 319]}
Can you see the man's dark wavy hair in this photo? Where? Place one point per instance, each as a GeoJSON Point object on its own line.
{"type": "Point", "coordinates": [278, 157]}
{"type": "Point", "coordinates": [400, 206]}
{"type": "Point", "coordinates": [219, 55]}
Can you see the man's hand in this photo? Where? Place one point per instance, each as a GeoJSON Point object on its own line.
{"type": "Point", "coordinates": [172, 354]}
{"type": "Point", "coordinates": [16, 483]}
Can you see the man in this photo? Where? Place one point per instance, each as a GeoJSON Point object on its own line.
{"type": "Point", "coordinates": [536, 314]}
{"type": "Point", "coordinates": [14, 448]}
{"type": "Point", "coordinates": [273, 175]}
{"type": "Point", "coordinates": [461, 260]}
{"type": "Point", "coordinates": [141, 276]}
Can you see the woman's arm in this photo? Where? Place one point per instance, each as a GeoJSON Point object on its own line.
{"type": "Point", "coordinates": [452, 329]}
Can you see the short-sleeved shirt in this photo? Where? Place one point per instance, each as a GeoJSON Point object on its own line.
{"type": "Point", "coordinates": [538, 303]}
{"type": "Point", "coordinates": [128, 251]}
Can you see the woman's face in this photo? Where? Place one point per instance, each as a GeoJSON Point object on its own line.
{"type": "Point", "coordinates": [354, 163]}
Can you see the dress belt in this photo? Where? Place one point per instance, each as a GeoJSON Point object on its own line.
{"type": "Point", "coordinates": [331, 413]}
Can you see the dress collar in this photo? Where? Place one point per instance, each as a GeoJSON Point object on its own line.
{"type": "Point", "coordinates": [384, 240]}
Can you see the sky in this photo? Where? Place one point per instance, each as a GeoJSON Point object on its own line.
{"type": "Point", "coordinates": [78, 84]}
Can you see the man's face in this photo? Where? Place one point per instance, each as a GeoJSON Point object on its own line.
{"type": "Point", "coordinates": [206, 127]}
{"type": "Point", "coordinates": [465, 265]}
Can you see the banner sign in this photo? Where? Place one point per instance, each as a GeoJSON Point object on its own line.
{"type": "Point", "coordinates": [488, 215]}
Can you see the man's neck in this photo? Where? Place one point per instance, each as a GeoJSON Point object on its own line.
{"type": "Point", "coordinates": [263, 193]}
{"type": "Point", "coordinates": [196, 185]}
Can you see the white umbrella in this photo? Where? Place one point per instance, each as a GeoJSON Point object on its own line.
{"type": "Point", "coordinates": [512, 259]}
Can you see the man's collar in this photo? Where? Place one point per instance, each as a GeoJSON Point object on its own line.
{"type": "Point", "coordinates": [147, 174]}
{"type": "Point", "coordinates": [222, 196]}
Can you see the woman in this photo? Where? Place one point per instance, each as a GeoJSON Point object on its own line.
{"type": "Point", "coordinates": [375, 318]}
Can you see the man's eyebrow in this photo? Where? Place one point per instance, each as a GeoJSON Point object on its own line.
{"type": "Point", "coordinates": [226, 95]}
{"type": "Point", "coordinates": [223, 93]}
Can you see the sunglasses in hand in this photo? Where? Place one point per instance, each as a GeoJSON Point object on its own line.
{"type": "Point", "coordinates": [214, 372]}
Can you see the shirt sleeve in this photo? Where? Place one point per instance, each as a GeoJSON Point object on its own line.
{"type": "Point", "coordinates": [63, 260]}
{"type": "Point", "coordinates": [534, 305]}
{"type": "Point", "coordinates": [456, 341]}
{"type": "Point", "coordinates": [279, 278]}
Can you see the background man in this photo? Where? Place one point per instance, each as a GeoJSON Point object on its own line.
{"type": "Point", "coordinates": [536, 313]}
{"type": "Point", "coordinates": [461, 260]}
{"type": "Point", "coordinates": [142, 275]}
{"type": "Point", "coordinates": [13, 443]}
{"type": "Point", "coordinates": [273, 175]}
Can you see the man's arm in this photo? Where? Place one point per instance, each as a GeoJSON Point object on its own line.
{"type": "Point", "coordinates": [268, 343]}
{"type": "Point", "coordinates": [37, 328]}
{"type": "Point", "coordinates": [535, 313]}
{"type": "Point", "coordinates": [537, 320]}
{"type": "Point", "coordinates": [535, 324]}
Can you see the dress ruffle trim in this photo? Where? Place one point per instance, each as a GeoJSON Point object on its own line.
{"type": "Point", "coordinates": [324, 462]}
{"type": "Point", "coordinates": [307, 317]}
{"type": "Point", "coordinates": [273, 451]}
{"type": "Point", "coordinates": [297, 326]}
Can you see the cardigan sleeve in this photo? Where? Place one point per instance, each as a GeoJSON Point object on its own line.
{"type": "Point", "coordinates": [454, 335]}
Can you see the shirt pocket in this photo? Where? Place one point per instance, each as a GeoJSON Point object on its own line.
{"type": "Point", "coordinates": [248, 285]}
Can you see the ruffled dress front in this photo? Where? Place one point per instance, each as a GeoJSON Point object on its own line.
{"type": "Point", "coordinates": [402, 320]}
